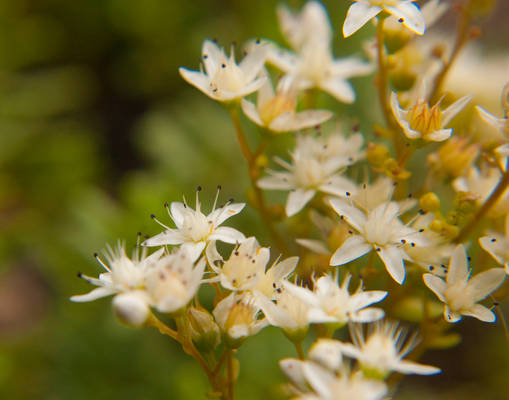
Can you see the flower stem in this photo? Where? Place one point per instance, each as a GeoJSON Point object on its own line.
{"type": "Point", "coordinates": [254, 173]}
{"type": "Point", "coordinates": [502, 186]}
{"type": "Point", "coordinates": [298, 347]}
{"type": "Point", "coordinates": [230, 374]}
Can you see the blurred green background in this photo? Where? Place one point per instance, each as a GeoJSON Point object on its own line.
{"type": "Point", "coordinates": [97, 131]}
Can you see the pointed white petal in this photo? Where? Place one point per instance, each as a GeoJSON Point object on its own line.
{"type": "Point", "coordinates": [284, 268]}
{"type": "Point", "coordinates": [316, 246]}
{"type": "Point", "coordinates": [339, 186]}
{"type": "Point", "coordinates": [351, 214]}
{"type": "Point", "coordinates": [358, 14]}
{"type": "Point", "coordinates": [178, 212]}
{"type": "Point", "coordinates": [222, 214]}
{"type": "Point", "coordinates": [251, 112]}
{"type": "Point", "coordinates": [439, 136]}
{"type": "Point", "coordinates": [482, 313]}
{"type": "Point", "coordinates": [410, 367]}
{"type": "Point", "coordinates": [363, 299]}
{"type": "Point", "coordinates": [411, 15]}
{"type": "Point", "coordinates": [293, 369]}
{"type": "Point", "coordinates": [392, 257]}
{"type": "Point", "coordinates": [353, 248]}
{"type": "Point", "coordinates": [436, 285]}
{"type": "Point", "coordinates": [498, 123]}
{"type": "Point", "coordinates": [227, 235]}
{"type": "Point", "coordinates": [451, 111]}
{"type": "Point", "coordinates": [281, 59]}
{"type": "Point", "coordinates": [275, 315]}
{"type": "Point", "coordinates": [320, 379]}
{"type": "Point", "coordinates": [252, 64]}
{"type": "Point", "coordinates": [351, 66]}
{"type": "Point", "coordinates": [302, 120]}
{"type": "Point", "coordinates": [339, 88]}
{"type": "Point", "coordinates": [303, 294]}
{"type": "Point", "coordinates": [198, 80]}
{"type": "Point", "coordinates": [297, 200]}
{"type": "Point", "coordinates": [194, 250]}
{"type": "Point", "coordinates": [171, 236]}
{"type": "Point", "coordinates": [367, 315]}
{"type": "Point", "coordinates": [458, 266]}
{"type": "Point", "coordinates": [491, 244]}
{"type": "Point", "coordinates": [450, 316]}
{"type": "Point", "coordinates": [95, 294]}
{"type": "Point", "coordinates": [212, 57]}
{"type": "Point", "coordinates": [486, 282]}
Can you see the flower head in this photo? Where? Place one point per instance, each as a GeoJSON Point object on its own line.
{"type": "Point", "coordinates": [195, 229]}
{"type": "Point", "coordinates": [361, 11]}
{"type": "Point", "coordinates": [381, 352]}
{"type": "Point", "coordinates": [330, 302]}
{"type": "Point", "coordinates": [223, 79]}
{"type": "Point", "coordinates": [460, 293]}
{"type": "Point", "coordinates": [423, 121]}
{"type": "Point", "coordinates": [379, 229]}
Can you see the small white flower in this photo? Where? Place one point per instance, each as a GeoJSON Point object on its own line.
{"type": "Point", "coordinates": [370, 195]}
{"type": "Point", "coordinates": [381, 352]}
{"type": "Point", "coordinates": [276, 111]}
{"type": "Point", "coordinates": [460, 293]}
{"type": "Point", "coordinates": [422, 122]}
{"type": "Point", "coordinates": [379, 229]}
{"type": "Point", "coordinates": [224, 80]}
{"type": "Point", "coordinates": [502, 124]}
{"type": "Point", "coordinates": [174, 280]}
{"type": "Point", "coordinates": [307, 175]}
{"type": "Point", "coordinates": [361, 11]}
{"type": "Point", "coordinates": [123, 274]}
{"type": "Point", "coordinates": [481, 183]}
{"type": "Point", "coordinates": [238, 318]}
{"type": "Point", "coordinates": [330, 302]}
{"type": "Point", "coordinates": [245, 269]}
{"type": "Point", "coordinates": [326, 385]}
{"type": "Point", "coordinates": [195, 229]}
{"type": "Point", "coordinates": [498, 246]}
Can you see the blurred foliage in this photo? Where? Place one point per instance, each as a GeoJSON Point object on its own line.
{"type": "Point", "coordinates": [97, 131]}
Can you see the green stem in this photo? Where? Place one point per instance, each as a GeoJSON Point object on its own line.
{"type": "Point", "coordinates": [298, 347]}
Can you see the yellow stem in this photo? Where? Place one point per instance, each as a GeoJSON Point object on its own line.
{"type": "Point", "coordinates": [490, 202]}
{"type": "Point", "coordinates": [298, 347]}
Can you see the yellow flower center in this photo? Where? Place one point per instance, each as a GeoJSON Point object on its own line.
{"type": "Point", "coordinates": [276, 106]}
{"type": "Point", "coordinates": [424, 119]}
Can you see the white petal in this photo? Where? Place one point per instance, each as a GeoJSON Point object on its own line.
{"type": "Point", "coordinates": [350, 350]}
{"type": "Point", "coordinates": [486, 282]}
{"type": "Point", "coordinates": [436, 285]}
{"type": "Point", "coordinates": [294, 122]}
{"type": "Point", "coordinates": [252, 64]}
{"type": "Point", "coordinates": [293, 370]}
{"type": "Point", "coordinates": [411, 15]}
{"type": "Point", "coordinates": [284, 268]}
{"type": "Point", "coordinates": [482, 313]}
{"type": "Point", "coordinates": [498, 123]}
{"type": "Point", "coordinates": [297, 200]}
{"type": "Point", "coordinates": [355, 217]}
{"type": "Point", "coordinates": [458, 266]}
{"type": "Point", "coordinates": [439, 136]}
{"type": "Point", "coordinates": [339, 88]}
{"type": "Point", "coordinates": [227, 235]}
{"type": "Point", "coordinates": [303, 294]}
{"type": "Point", "coordinates": [327, 352]}
{"type": "Point", "coordinates": [358, 14]}
{"type": "Point", "coordinates": [212, 57]}
{"type": "Point", "coordinates": [451, 316]}
{"type": "Point", "coordinates": [363, 299]}
{"type": "Point", "coordinates": [316, 246]}
{"type": "Point", "coordinates": [194, 250]}
{"type": "Point", "coordinates": [353, 248]}
{"type": "Point", "coordinates": [95, 294]}
{"type": "Point", "coordinates": [281, 59]}
{"type": "Point", "coordinates": [320, 379]}
{"type": "Point", "coordinates": [171, 236]}
{"type": "Point", "coordinates": [198, 80]}
{"type": "Point", "coordinates": [392, 257]}
{"type": "Point", "coordinates": [367, 315]}
{"type": "Point", "coordinates": [451, 111]}
{"type": "Point", "coordinates": [351, 66]}
{"type": "Point", "coordinates": [339, 186]}
{"type": "Point", "coordinates": [492, 245]}
{"type": "Point", "coordinates": [178, 212]}
{"type": "Point", "coordinates": [222, 214]}
{"type": "Point", "coordinates": [410, 367]}
{"type": "Point", "coordinates": [278, 181]}
{"type": "Point", "coordinates": [275, 315]}
{"type": "Point", "coordinates": [251, 112]}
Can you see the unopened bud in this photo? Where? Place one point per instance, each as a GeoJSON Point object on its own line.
{"type": "Point", "coordinates": [393, 170]}
{"type": "Point", "coordinates": [131, 308]}
{"type": "Point", "coordinates": [204, 330]}
{"type": "Point", "coordinates": [429, 202]}
{"type": "Point", "coordinates": [377, 154]}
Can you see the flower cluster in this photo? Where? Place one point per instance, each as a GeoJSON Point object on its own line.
{"type": "Point", "coordinates": [350, 194]}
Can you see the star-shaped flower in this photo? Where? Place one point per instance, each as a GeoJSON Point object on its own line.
{"type": "Point", "coordinates": [361, 11]}
{"type": "Point", "coordinates": [276, 111]}
{"type": "Point", "coordinates": [381, 352]}
{"type": "Point", "coordinates": [195, 229]}
{"type": "Point", "coordinates": [460, 293]}
{"type": "Point", "coordinates": [422, 122]}
{"type": "Point", "coordinates": [307, 175]}
{"type": "Point", "coordinates": [223, 80]}
{"type": "Point", "coordinates": [497, 245]}
{"type": "Point", "coordinates": [379, 230]}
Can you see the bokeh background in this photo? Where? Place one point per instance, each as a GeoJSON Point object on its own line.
{"type": "Point", "coordinates": [97, 131]}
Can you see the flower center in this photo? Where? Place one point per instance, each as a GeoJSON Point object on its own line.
{"type": "Point", "coordinates": [458, 297]}
{"type": "Point", "coordinates": [276, 106]}
{"type": "Point", "coordinates": [228, 77]}
{"type": "Point", "coordinates": [309, 173]}
{"type": "Point", "coordinates": [424, 119]}
{"type": "Point", "coordinates": [196, 227]}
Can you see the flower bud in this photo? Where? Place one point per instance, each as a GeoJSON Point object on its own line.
{"type": "Point", "coordinates": [131, 308]}
{"type": "Point", "coordinates": [377, 154]}
{"type": "Point", "coordinates": [429, 202]}
{"type": "Point", "coordinates": [204, 331]}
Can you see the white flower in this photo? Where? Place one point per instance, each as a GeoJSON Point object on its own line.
{"type": "Point", "coordinates": [174, 280]}
{"type": "Point", "coordinates": [334, 145]}
{"type": "Point", "coordinates": [308, 175]}
{"type": "Point", "coordinates": [379, 229]}
{"type": "Point", "coordinates": [123, 274]}
{"type": "Point", "coordinates": [330, 302]}
{"type": "Point", "coordinates": [421, 121]}
{"type": "Point", "coordinates": [370, 196]}
{"type": "Point", "coordinates": [195, 229]}
{"type": "Point", "coordinates": [238, 318]}
{"type": "Point", "coordinates": [276, 111]}
{"type": "Point", "coordinates": [502, 124]}
{"type": "Point", "coordinates": [481, 184]}
{"type": "Point", "coordinates": [460, 293]}
{"type": "Point", "coordinates": [326, 385]}
{"type": "Point", "coordinates": [361, 11]}
{"type": "Point", "coordinates": [498, 246]}
{"type": "Point", "coordinates": [245, 269]}
{"type": "Point", "coordinates": [381, 352]}
{"type": "Point", "coordinates": [224, 80]}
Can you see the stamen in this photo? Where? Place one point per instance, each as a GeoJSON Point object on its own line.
{"type": "Point", "coordinates": [96, 256]}
{"type": "Point", "coordinates": [159, 222]}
